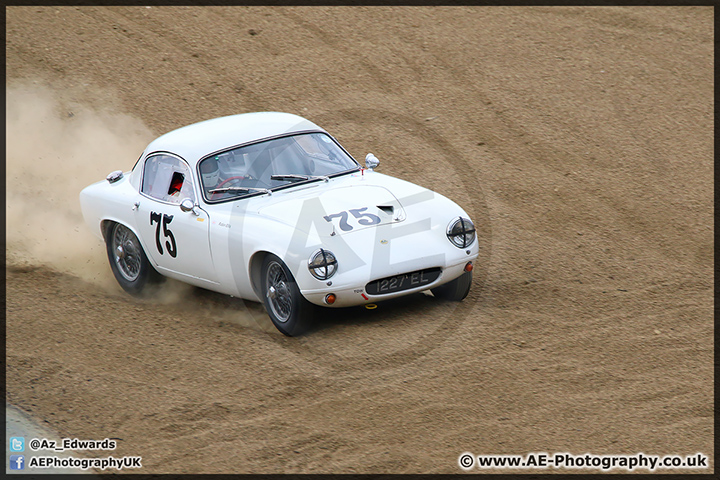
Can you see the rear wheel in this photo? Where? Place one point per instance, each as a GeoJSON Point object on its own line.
{"type": "Point", "coordinates": [128, 261]}
{"type": "Point", "coordinates": [455, 290]}
{"type": "Point", "coordinates": [285, 305]}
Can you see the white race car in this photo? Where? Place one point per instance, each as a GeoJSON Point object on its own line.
{"type": "Point", "coordinates": [269, 207]}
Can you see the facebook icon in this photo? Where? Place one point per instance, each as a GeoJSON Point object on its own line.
{"type": "Point", "coordinates": [17, 462]}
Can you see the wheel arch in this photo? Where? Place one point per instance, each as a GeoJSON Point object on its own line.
{"type": "Point", "coordinates": [255, 271]}
{"type": "Point", "coordinates": [255, 268]}
{"type": "Point", "coordinates": [107, 223]}
{"type": "Point", "coordinates": [105, 227]}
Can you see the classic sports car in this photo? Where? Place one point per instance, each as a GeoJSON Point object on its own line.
{"type": "Point", "coordinates": [269, 207]}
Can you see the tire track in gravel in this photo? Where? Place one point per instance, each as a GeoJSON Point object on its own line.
{"type": "Point", "coordinates": [335, 42]}
{"type": "Point", "coordinates": [176, 53]}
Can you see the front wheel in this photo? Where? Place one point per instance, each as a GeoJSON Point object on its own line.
{"type": "Point", "coordinates": [455, 290]}
{"type": "Point", "coordinates": [128, 261]}
{"type": "Point", "coordinates": [285, 305]}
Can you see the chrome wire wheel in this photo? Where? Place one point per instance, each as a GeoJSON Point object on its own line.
{"type": "Point", "coordinates": [126, 252]}
{"type": "Point", "coordinates": [278, 292]}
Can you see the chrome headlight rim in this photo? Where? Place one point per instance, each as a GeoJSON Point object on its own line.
{"type": "Point", "coordinates": [322, 264]}
{"type": "Point", "coordinates": [464, 236]}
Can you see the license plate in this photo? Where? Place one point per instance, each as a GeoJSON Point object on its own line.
{"type": "Point", "coordinates": [404, 281]}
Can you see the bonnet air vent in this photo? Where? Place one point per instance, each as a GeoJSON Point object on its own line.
{"type": "Point", "coordinates": [389, 209]}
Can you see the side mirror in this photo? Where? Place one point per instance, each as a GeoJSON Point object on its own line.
{"type": "Point", "coordinates": [187, 205]}
{"type": "Point", "coordinates": [371, 161]}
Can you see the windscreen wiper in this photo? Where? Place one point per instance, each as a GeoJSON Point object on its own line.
{"type": "Point", "coordinates": [241, 189]}
{"type": "Point", "coordinates": [299, 178]}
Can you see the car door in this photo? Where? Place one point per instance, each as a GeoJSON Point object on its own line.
{"type": "Point", "coordinates": [176, 241]}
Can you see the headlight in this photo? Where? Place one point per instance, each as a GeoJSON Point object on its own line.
{"type": "Point", "coordinates": [461, 232]}
{"type": "Point", "coordinates": [322, 264]}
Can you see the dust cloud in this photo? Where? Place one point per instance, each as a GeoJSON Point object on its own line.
{"type": "Point", "coordinates": [55, 149]}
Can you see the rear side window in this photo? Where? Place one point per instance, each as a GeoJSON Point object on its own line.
{"type": "Point", "coordinates": [167, 178]}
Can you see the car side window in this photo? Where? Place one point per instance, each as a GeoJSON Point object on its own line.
{"type": "Point", "coordinates": [167, 179]}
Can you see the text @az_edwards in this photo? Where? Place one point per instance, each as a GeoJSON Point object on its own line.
{"type": "Point", "coordinates": [38, 444]}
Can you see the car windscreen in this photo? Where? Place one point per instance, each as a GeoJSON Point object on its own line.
{"type": "Point", "coordinates": [271, 164]}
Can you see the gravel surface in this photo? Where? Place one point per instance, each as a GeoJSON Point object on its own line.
{"type": "Point", "coordinates": [579, 139]}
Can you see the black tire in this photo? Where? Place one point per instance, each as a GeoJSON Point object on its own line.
{"type": "Point", "coordinates": [128, 261]}
{"type": "Point", "coordinates": [455, 290]}
{"type": "Point", "coordinates": [285, 305]}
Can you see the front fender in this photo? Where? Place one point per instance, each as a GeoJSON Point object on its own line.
{"type": "Point", "coordinates": [240, 243]}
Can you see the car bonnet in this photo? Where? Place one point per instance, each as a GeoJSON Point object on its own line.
{"type": "Point", "coordinates": [337, 211]}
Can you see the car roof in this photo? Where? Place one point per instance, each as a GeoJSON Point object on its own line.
{"type": "Point", "coordinates": [196, 141]}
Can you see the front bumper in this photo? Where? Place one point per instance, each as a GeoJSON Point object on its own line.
{"type": "Point", "coordinates": [349, 296]}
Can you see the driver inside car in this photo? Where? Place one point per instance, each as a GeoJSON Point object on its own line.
{"type": "Point", "coordinates": [224, 170]}
{"type": "Point", "coordinates": [210, 172]}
